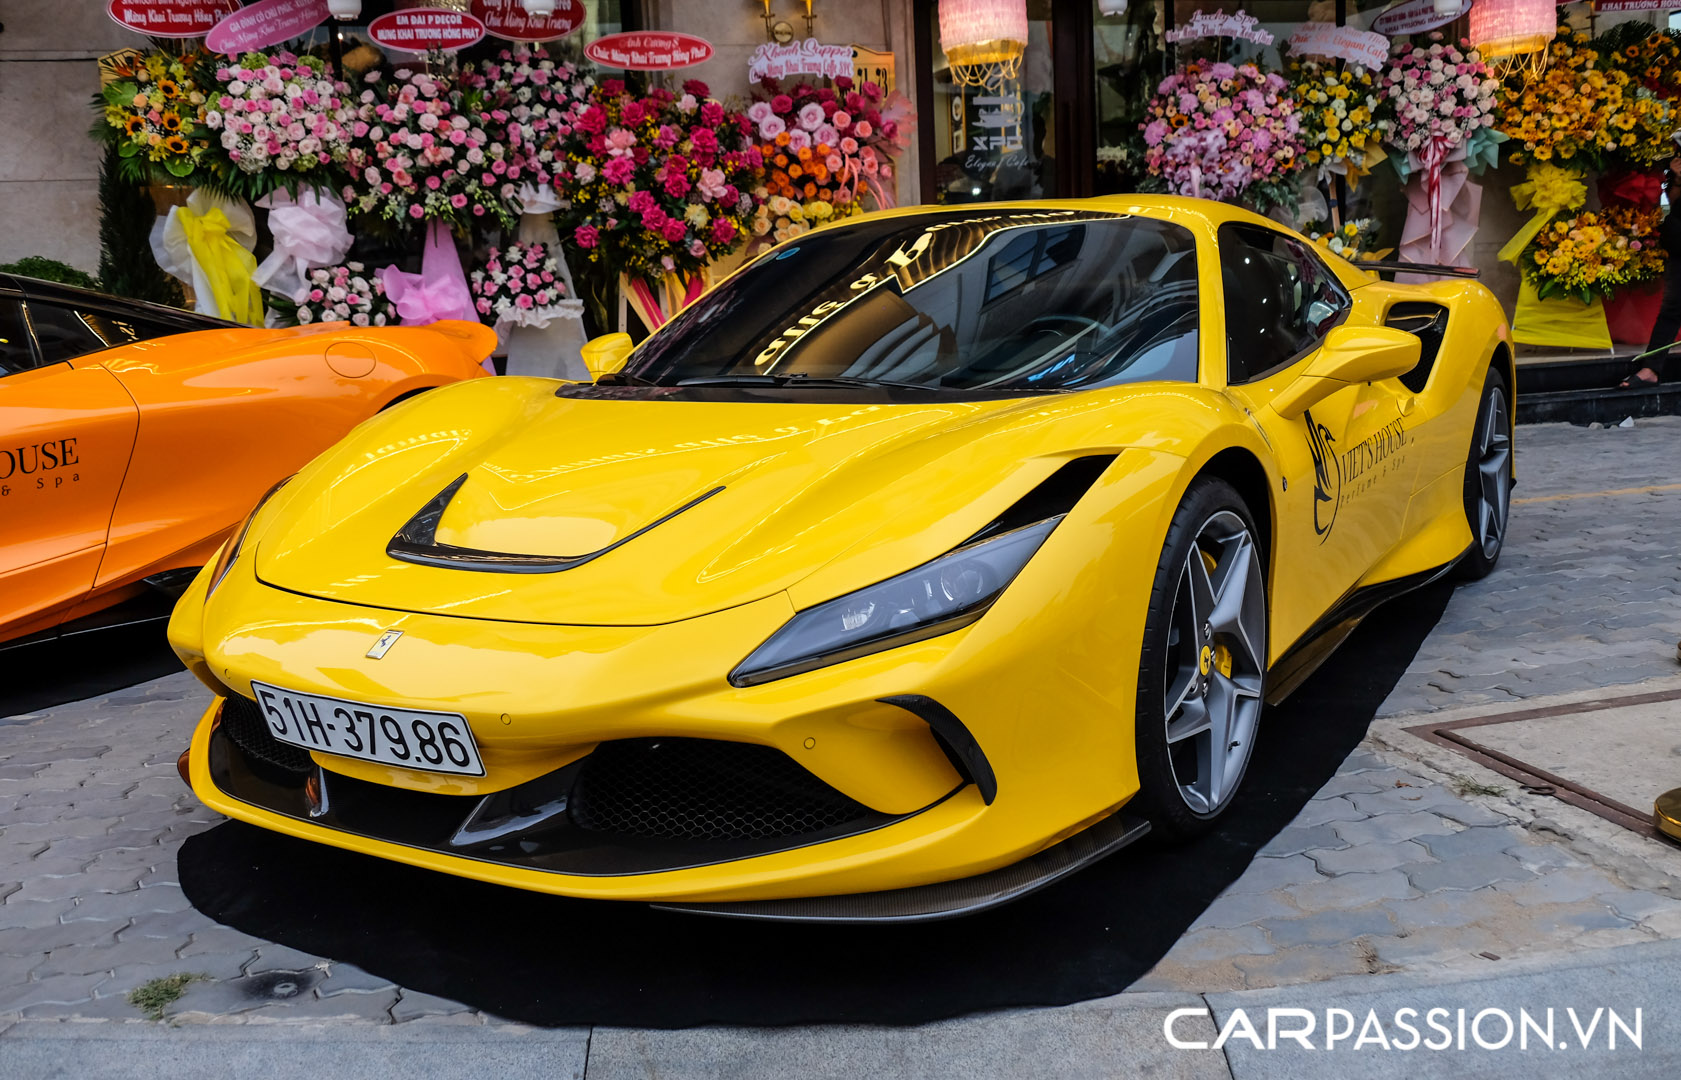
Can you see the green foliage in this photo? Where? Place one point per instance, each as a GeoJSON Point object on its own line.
{"type": "Point", "coordinates": [126, 214]}
{"type": "Point", "coordinates": [154, 997]}
{"type": "Point", "coordinates": [45, 269]}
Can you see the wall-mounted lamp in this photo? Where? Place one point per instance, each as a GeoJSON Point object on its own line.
{"type": "Point", "coordinates": [778, 30]}
{"type": "Point", "coordinates": [344, 10]}
{"type": "Point", "coordinates": [809, 19]}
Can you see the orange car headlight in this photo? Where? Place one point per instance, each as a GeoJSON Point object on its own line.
{"type": "Point", "coordinates": [230, 550]}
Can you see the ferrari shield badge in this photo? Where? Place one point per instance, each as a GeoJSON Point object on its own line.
{"type": "Point", "coordinates": [383, 644]}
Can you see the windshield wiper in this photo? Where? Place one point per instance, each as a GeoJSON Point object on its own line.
{"type": "Point", "coordinates": [623, 378]}
{"type": "Point", "coordinates": [801, 379]}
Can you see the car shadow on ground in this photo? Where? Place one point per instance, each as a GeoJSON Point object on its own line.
{"type": "Point", "coordinates": [553, 961]}
{"type": "Point", "coordinates": [50, 673]}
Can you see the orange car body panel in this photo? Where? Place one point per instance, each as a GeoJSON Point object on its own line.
{"type": "Point", "coordinates": [138, 459]}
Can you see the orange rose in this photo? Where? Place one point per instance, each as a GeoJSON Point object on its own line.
{"type": "Point", "coordinates": [782, 161]}
{"type": "Point", "coordinates": [782, 139]}
{"type": "Point", "coordinates": [795, 172]}
{"type": "Point", "coordinates": [811, 191]}
{"type": "Point", "coordinates": [805, 153]}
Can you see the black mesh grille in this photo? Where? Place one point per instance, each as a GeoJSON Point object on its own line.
{"type": "Point", "coordinates": [703, 789]}
{"type": "Point", "coordinates": [244, 723]}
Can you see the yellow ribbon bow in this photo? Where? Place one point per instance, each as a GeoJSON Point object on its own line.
{"type": "Point", "coordinates": [225, 263]}
{"type": "Point", "coordinates": [1550, 191]}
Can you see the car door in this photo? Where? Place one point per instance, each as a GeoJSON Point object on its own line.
{"type": "Point", "coordinates": [1345, 461]}
{"type": "Point", "coordinates": [66, 433]}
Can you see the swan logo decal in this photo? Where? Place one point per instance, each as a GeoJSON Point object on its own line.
{"type": "Point", "coordinates": [1327, 477]}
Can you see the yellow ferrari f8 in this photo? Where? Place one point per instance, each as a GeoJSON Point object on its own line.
{"type": "Point", "coordinates": [921, 562]}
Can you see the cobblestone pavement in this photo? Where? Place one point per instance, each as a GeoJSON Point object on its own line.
{"type": "Point", "coordinates": [1395, 865]}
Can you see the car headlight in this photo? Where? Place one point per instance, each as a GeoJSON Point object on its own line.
{"type": "Point", "coordinates": [230, 550]}
{"type": "Point", "coordinates": [936, 598]}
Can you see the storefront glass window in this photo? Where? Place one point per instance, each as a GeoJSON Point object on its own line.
{"type": "Point", "coordinates": [1128, 62]}
{"type": "Point", "coordinates": [997, 141]}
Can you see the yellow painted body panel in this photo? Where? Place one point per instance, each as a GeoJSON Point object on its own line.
{"type": "Point", "coordinates": [818, 500]}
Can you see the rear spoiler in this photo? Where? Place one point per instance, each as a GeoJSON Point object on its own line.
{"type": "Point", "coordinates": [1432, 269]}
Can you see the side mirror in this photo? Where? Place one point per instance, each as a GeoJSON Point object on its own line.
{"type": "Point", "coordinates": [606, 354]}
{"type": "Point", "coordinates": [1349, 356]}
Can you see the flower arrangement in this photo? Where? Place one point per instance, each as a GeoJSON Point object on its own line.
{"type": "Point", "coordinates": [524, 100]}
{"type": "Point", "coordinates": [278, 113]}
{"type": "Point", "coordinates": [659, 183]}
{"type": "Point", "coordinates": [344, 293]}
{"type": "Point", "coordinates": [516, 284]}
{"type": "Point", "coordinates": [1343, 114]}
{"type": "Point", "coordinates": [415, 154]}
{"type": "Point", "coordinates": [153, 113]}
{"type": "Point", "coordinates": [1652, 117]}
{"type": "Point", "coordinates": [1221, 131]}
{"type": "Point", "coordinates": [1594, 253]}
{"type": "Point", "coordinates": [1354, 240]}
{"type": "Point", "coordinates": [1575, 111]}
{"type": "Point", "coordinates": [1442, 96]}
{"type": "Point", "coordinates": [823, 144]}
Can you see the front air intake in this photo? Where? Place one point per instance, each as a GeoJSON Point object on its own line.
{"type": "Point", "coordinates": [703, 789]}
{"type": "Point", "coordinates": [243, 720]}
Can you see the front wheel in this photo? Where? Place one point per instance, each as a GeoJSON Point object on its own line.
{"type": "Point", "coordinates": [1488, 479]}
{"type": "Point", "coordinates": [1202, 675]}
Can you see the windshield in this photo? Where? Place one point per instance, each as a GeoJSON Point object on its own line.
{"type": "Point", "coordinates": [1023, 301]}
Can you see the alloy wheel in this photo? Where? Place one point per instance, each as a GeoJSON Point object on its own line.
{"type": "Point", "coordinates": [1494, 469]}
{"type": "Point", "coordinates": [1216, 664]}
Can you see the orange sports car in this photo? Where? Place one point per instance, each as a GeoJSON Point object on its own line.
{"type": "Point", "coordinates": [133, 437]}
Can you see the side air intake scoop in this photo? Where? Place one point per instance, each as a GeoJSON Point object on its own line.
{"type": "Point", "coordinates": [416, 542]}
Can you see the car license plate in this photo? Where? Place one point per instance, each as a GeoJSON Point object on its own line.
{"type": "Point", "coordinates": [433, 741]}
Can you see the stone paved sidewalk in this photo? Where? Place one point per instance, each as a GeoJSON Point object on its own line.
{"type": "Point", "coordinates": [1388, 868]}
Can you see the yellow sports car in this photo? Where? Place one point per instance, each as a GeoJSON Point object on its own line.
{"type": "Point", "coordinates": [921, 562]}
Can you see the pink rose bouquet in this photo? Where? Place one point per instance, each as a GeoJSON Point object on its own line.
{"type": "Point", "coordinates": [278, 113]}
{"type": "Point", "coordinates": [1219, 131]}
{"type": "Point", "coordinates": [416, 155]}
{"type": "Point", "coordinates": [517, 284]}
{"type": "Point", "coordinates": [1442, 94]}
{"type": "Point", "coordinates": [330, 294]}
{"type": "Point", "coordinates": [524, 101]}
{"type": "Point", "coordinates": [659, 183]}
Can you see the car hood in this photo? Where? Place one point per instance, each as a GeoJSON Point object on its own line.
{"type": "Point", "coordinates": [793, 486]}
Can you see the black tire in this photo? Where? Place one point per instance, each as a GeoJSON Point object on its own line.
{"type": "Point", "coordinates": [1210, 506]}
{"type": "Point", "coordinates": [1491, 444]}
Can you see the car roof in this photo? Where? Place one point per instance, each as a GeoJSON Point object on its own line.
{"type": "Point", "coordinates": [55, 292]}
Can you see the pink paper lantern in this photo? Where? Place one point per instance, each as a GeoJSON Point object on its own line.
{"type": "Point", "coordinates": [1504, 28]}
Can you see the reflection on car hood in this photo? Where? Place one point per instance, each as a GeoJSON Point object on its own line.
{"type": "Point", "coordinates": [798, 484]}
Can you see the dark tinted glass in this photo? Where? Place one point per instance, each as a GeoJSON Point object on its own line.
{"type": "Point", "coordinates": [1281, 299]}
{"type": "Point", "coordinates": [117, 330]}
{"type": "Point", "coordinates": [15, 353]}
{"type": "Point", "coordinates": [1007, 301]}
{"type": "Point", "coordinates": [61, 334]}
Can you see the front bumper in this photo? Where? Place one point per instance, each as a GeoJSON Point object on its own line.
{"type": "Point", "coordinates": [1037, 686]}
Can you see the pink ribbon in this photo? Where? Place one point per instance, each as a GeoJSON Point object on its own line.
{"type": "Point", "coordinates": [1440, 233]}
{"type": "Point", "coordinates": [439, 291]}
{"type": "Point", "coordinates": [1435, 153]}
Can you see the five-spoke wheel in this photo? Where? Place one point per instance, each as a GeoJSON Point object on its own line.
{"type": "Point", "coordinates": [1488, 478]}
{"type": "Point", "coordinates": [1203, 673]}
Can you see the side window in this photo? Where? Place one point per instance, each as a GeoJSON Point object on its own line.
{"type": "Point", "coordinates": [121, 330]}
{"type": "Point", "coordinates": [15, 353]}
{"type": "Point", "coordinates": [61, 334]}
{"type": "Point", "coordinates": [1281, 299]}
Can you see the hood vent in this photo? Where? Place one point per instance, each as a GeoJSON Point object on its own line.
{"type": "Point", "coordinates": [416, 542]}
{"type": "Point", "coordinates": [1054, 496]}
